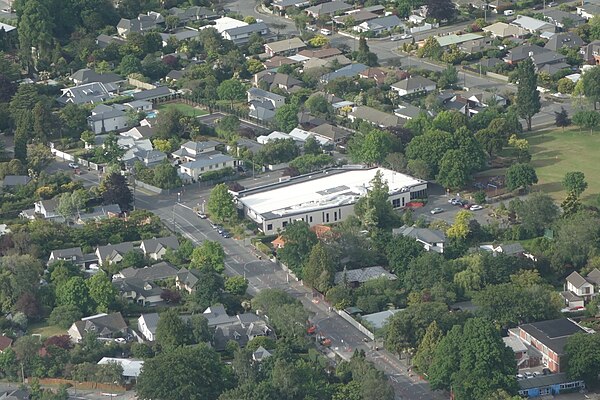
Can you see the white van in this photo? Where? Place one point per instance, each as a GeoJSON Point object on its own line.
{"type": "Point", "coordinates": [508, 13]}
{"type": "Point", "coordinates": [325, 32]}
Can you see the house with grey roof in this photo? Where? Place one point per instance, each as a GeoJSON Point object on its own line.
{"type": "Point", "coordinates": [522, 52]}
{"type": "Point", "coordinates": [147, 324]}
{"type": "Point", "coordinates": [156, 248]}
{"type": "Point", "coordinates": [375, 117]}
{"type": "Point", "coordinates": [408, 111]}
{"type": "Point", "coordinates": [150, 158]}
{"type": "Point", "coordinates": [380, 25]}
{"type": "Point", "coordinates": [261, 354]}
{"type": "Point", "coordinates": [328, 9]}
{"type": "Point", "coordinates": [179, 35]}
{"type": "Point", "coordinates": [256, 94]}
{"type": "Point", "coordinates": [285, 47]}
{"type": "Point", "coordinates": [90, 93]}
{"type": "Point", "coordinates": [72, 254]}
{"type": "Point", "coordinates": [86, 75]}
{"type": "Point", "coordinates": [349, 71]}
{"type": "Point", "coordinates": [105, 118]}
{"type": "Point", "coordinates": [142, 24]}
{"type": "Point", "coordinates": [11, 181]}
{"type": "Point", "coordinates": [241, 34]}
{"type": "Point", "coordinates": [512, 249]}
{"type": "Point", "coordinates": [244, 143]}
{"type": "Point", "coordinates": [413, 84]}
{"type": "Point", "coordinates": [186, 279]}
{"type": "Point", "coordinates": [566, 39]}
{"type": "Point", "coordinates": [550, 59]}
{"type": "Point", "coordinates": [103, 40]}
{"type": "Point", "coordinates": [379, 319]}
{"type": "Point", "coordinates": [194, 13]}
{"type": "Point", "coordinates": [559, 17]}
{"type": "Point", "coordinates": [160, 93]}
{"type": "Point", "coordinates": [591, 52]}
{"type": "Point", "coordinates": [356, 277]}
{"type": "Point", "coordinates": [139, 291]}
{"type": "Point", "coordinates": [156, 272]}
{"type": "Point", "coordinates": [104, 326]}
{"type": "Point", "coordinates": [190, 151]}
{"type": "Point", "coordinates": [206, 163]}
{"type": "Point", "coordinates": [331, 133]}
{"type": "Point", "coordinates": [139, 132]}
{"type": "Point", "coordinates": [99, 213]}
{"type": "Point", "coordinates": [216, 315]}
{"type": "Point", "coordinates": [588, 10]}
{"type": "Point", "coordinates": [431, 239]}
{"type": "Point", "coordinates": [277, 80]}
{"type": "Point", "coordinates": [113, 253]}
{"type": "Point", "coordinates": [282, 5]}
{"type": "Point", "coordinates": [582, 288]}
{"type": "Point", "coordinates": [47, 209]}
{"type": "Point", "coordinates": [261, 110]}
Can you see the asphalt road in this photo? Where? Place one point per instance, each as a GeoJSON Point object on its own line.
{"type": "Point", "coordinates": [261, 274]}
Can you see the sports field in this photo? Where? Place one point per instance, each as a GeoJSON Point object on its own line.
{"type": "Point", "coordinates": [556, 152]}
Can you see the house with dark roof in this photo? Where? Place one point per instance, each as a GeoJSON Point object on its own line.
{"type": "Point", "coordinates": [413, 84]}
{"type": "Point", "coordinates": [380, 25]}
{"type": "Point", "coordinates": [282, 5]}
{"type": "Point", "coordinates": [522, 52]}
{"type": "Point", "coordinates": [285, 47]}
{"type": "Point", "coordinates": [558, 18]}
{"type": "Point", "coordinates": [549, 61]}
{"type": "Point", "coordinates": [256, 94]}
{"type": "Point", "coordinates": [547, 340]}
{"type": "Point", "coordinates": [18, 394]}
{"type": "Point", "coordinates": [147, 324]}
{"type": "Point", "coordinates": [320, 53]}
{"type": "Point", "coordinates": [431, 239]}
{"type": "Point", "coordinates": [216, 316]}
{"type": "Point", "coordinates": [103, 40]}
{"type": "Point", "coordinates": [113, 253]}
{"type": "Point", "coordinates": [194, 13]}
{"type": "Point", "coordinates": [261, 354]}
{"type": "Point", "coordinates": [160, 93]}
{"type": "Point", "coordinates": [332, 133]}
{"type": "Point", "coordinates": [356, 277]}
{"type": "Point", "coordinates": [585, 288]}
{"type": "Point", "coordinates": [73, 254]}
{"type": "Point", "coordinates": [567, 39]}
{"type": "Point", "coordinates": [89, 93]}
{"type": "Point", "coordinates": [277, 80]}
{"type": "Point", "coordinates": [241, 34]}
{"type": "Point", "coordinates": [408, 111]}
{"type": "Point", "coordinates": [105, 118]}
{"type": "Point", "coordinates": [139, 291]}
{"type": "Point", "coordinates": [142, 24]}
{"type": "Point", "coordinates": [11, 181]}
{"type": "Point", "coordinates": [186, 280]}
{"type": "Point", "coordinates": [104, 326]}
{"type": "Point", "coordinates": [261, 110]}
{"type": "Point", "coordinates": [149, 157]}
{"type": "Point", "coordinates": [328, 9]}
{"type": "Point", "coordinates": [511, 249]}
{"type": "Point", "coordinates": [375, 117]}
{"type": "Point", "coordinates": [591, 52]}
{"type": "Point", "coordinates": [551, 385]}
{"type": "Point", "coordinates": [86, 75]}
{"type": "Point", "coordinates": [156, 272]}
{"type": "Point", "coordinates": [47, 209]}
{"type": "Point", "coordinates": [357, 17]}
{"type": "Point", "coordinates": [156, 248]}
{"type": "Point", "coordinates": [349, 71]}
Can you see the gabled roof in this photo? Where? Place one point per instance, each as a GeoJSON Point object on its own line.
{"type": "Point", "coordinates": [502, 29]}
{"type": "Point", "coordinates": [102, 324]}
{"type": "Point", "coordinates": [320, 53]}
{"type": "Point", "coordinates": [111, 250]}
{"type": "Point", "coordinates": [375, 116]}
{"type": "Point", "coordinates": [260, 354]}
{"type": "Point", "coordinates": [267, 95]}
{"type": "Point", "coordinates": [331, 132]}
{"type": "Point", "coordinates": [141, 288]}
{"type": "Point", "coordinates": [188, 277]}
{"type": "Point", "coordinates": [160, 91]}
{"type": "Point", "coordinates": [413, 82]}
{"type": "Point", "coordinates": [426, 235]}
{"type": "Point", "coordinates": [93, 93]}
{"type": "Point", "coordinates": [154, 245]}
{"type": "Point", "coordinates": [216, 315]}
{"type": "Point", "coordinates": [558, 16]}
{"type": "Point", "coordinates": [348, 71]}
{"type": "Point", "coordinates": [206, 159]}
{"type": "Point", "coordinates": [131, 367]}
{"type": "Point", "coordinates": [161, 270]}
{"type": "Point", "coordinates": [262, 113]}
{"type": "Point", "coordinates": [151, 321]}
{"type": "Point", "coordinates": [532, 24]}
{"type": "Point", "coordinates": [567, 39]}
{"type": "Point", "coordinates": [331, 7]}
{"type": "Point", "coordinates": [248, 29]}
{"type": "Point", "coordinates": [67, 253]}
{"type": "Point", "coordinates": [5, 343]}
{"type": "Point", "coordinates": [593, 276]}
{"type": "Point", "coordinates": [389, 22]}
{"type": "Point", "coordinates": [285, 45]}
{"type": "Point", "coordinates": [362, 275]}
{"type": "Point", "coordinates": [524, 51]}
{"type": "Point", "coordinates": [86, 75]}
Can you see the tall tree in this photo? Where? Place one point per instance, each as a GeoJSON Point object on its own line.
{"type": "Point", "coordinates": [561, 118]}
{"type": "Point", "coordinates": [232, 90]}
{"type": "Point", "coordinates": [520, 176]}
{"type": "Point", "coordinates": [319, 269]}
{"type": "Point", "coordinates": [35, 31]}
{"type": "Point", "coordinates": [441, 9]}
{"type": "Point", "coordinates": [528, 96]}
{"type": "Point", "coordinates": [286, 117]}
{"type": "Point", "coordinates": [588, 119]}
{"type": "Point", "coordinates": [171, 331]}
{"type": "Point", "coordinates": [210, 255]}
{"type": "Point", "coordinates": [102, 292]}
{"type": "Point", "coordinates": [583, 351]}
{"type": "Point", "coordinates": [591, 84]}
{"type": "Point", "coordinates": [299, 241]}
{"type": "Point", "coordinates": [220, 204]}
{"type": "Point", "coordinates": [194, 373]}
{"type": "Point", "coordinates": [375, 209]}
{"type": "Point", "coordinates": [114, 190]}
{"type": "Point", "coordinates": [427, 347]}
{"type": "Point", "coordinates": [575, 183]}
{"type": "Point", "coordinates": [74, 292]}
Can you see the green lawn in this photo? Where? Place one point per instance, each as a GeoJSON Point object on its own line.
{"type": "Point", "coordinates": [46, 330]}
{"type": "Point", "coordinates": [556, 152]}
{"type": "Point", "coordinates": [183, 108]}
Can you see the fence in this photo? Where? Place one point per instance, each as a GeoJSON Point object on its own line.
{"type": "Point", "coordinates": [140, 85]}
{"type": "Point", "coordinates": [241, 114]}
{"type": "Point", "coordinates": [62, 154]}
{"type": "Point", "coordinates": [150, 188]}
{"type": "Point", "coordinates": [356, 324]}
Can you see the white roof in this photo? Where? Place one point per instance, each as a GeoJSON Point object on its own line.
{"type": "Point", "coordinates": [326, 191]}
{"type": "Point", "coordinates": [272, 136]}
{"type": "Point", "coordinates": [302, 135]}
{"type": "Point", "coordinates": [7, 28]}
{"type": "Point", "coordinates": [226, 23]}
{"type": "Point", "coordinates": [299, 58]}
{"type": "Point", "coordinates": [131, 367]}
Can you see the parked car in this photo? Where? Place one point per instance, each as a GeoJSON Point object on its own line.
{"type": "Point", "coordinates": [520, 376]}
{"type": "Point", "coordinates": [508, 13]}
{"type": "Point", "coordinates": [213, 225]}
{"type": "Point", "coordinates": [311, 28]}
{"type": "Point", "coordinates": [552, 4]}
{"type": "Point", "coordinates": [73, 165]}
{"type": "Point", "coordinates": [395, 37]}
{"type": "Point", "coordinates": [201, 215]}
{"type": "Point", "coordinates": [225, 234]}
{"type": "Point", "coordinates": [405, 36]}
{"type": "Point", "coordinates": [528, 374]}
{"type": "Point", "coordinates": [437, 210]}
{"type": "Point", "coordinates": [476, 207]}
{"type": "Point", "coordinates": [325, 32]}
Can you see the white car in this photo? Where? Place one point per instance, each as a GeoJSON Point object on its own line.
{"type": "Point", "coordinates": [73, 165]}
{"type": "Point", "coordinates": [436, 210]}
{"type": "Point", "coordinates": [475, 207]}
{"type": "Point", "coordinates": [405, 36]}
{"type": "Point", "coordinates": [311, 28]}
{"type": "Point", "coordinates": [325, 32]}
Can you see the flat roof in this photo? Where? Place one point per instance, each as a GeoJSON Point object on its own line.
{"type": "Point", "coordinates": [333, 188]}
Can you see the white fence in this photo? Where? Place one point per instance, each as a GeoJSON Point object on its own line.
{"type": "Point", "coordinates": [356, 324]}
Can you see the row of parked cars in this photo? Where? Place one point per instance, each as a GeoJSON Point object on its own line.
{"type": "Point", "coordinates": [528, 374]}
{"type": "Point", "coordinates": [459, 203]}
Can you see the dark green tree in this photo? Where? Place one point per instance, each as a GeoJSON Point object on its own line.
{"type": "Point", "coordinates": [583, 362]}
{"type": "Point", "coordinates": [528, 97]}
{"type": "Point", "coordinates": [574, 182]}
{"type": "Point", "coordinates": [520, 176]}
{"type": "Point", "coordinates": [299, 241]}
{"type": "Point", "coordinates": [171, 331]}
{"type": "Point", "coordinates": [319, 269]}
{"type": "Point", "coordinates": [194, 373]}
{"type": "Point", "coordinates": [375, 209]}
{"type": "Point", "coordinates": [209, 254]}
{"type": "Point", "coordinates": [114, 190]}
{"type": "Point", "coordinates": [286, 117]}
{"type": "Point", "coordinates": [561, 118]}
{"type": "Point", "coordinates": [232, 90]}
{"type": "Point", "coordinates": [591, 85]}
